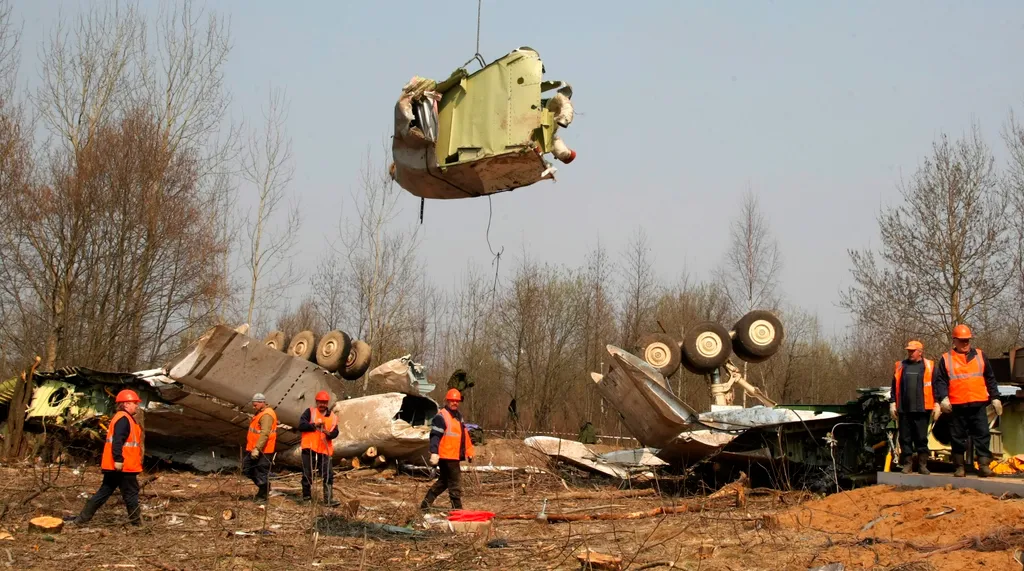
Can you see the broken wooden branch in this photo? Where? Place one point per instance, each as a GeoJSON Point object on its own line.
{"type": "Point", "coordinates": [608, 495]}
{"type": "Point", "coordinates": [736, 489]}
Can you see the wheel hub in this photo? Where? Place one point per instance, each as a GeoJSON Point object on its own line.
{"type": "Point", "coordinates": [657, 354]}
{"type": "Point", "coordinates": [300, 347]}
{"type": "Point", "coordinates": [762, 332]}
{"type": "Point", "coordinates": [330, 347]}
{"type": "Point", "coordinates": [709, 344]}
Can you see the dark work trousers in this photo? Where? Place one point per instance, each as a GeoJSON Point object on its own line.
{"type": "Point", "coordinates": [128, 482]}
{"type": "Point", "coordinates": [321, 464]}
{"type": "Point", "coordinates": [258, 470]}
{"type": "Point", "coordinates": [449, 477]}
{"type": "Point", "coordinates": [913, 433]}
{"type": "Point", "coordinates": [970, 421]}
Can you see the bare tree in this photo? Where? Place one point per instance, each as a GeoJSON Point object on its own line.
{"type": "Point", "coordinates": [267, 167]}
{"type": "Point", "coordinates": [382, 265]}
{"type": "Point", "coordinates": [750, 272]}
{"type": "Point", "coordinates": [947, 252]}
{"type": "Point", "coordinates": [639, 288]}
{"type": "Point", "coordinates": [1013, 135]}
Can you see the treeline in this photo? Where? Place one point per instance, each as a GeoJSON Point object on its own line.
{"type": "Point", "coordinates": [134, 215]}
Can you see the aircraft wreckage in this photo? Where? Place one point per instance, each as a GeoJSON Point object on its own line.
{"type": "Point", "coordinates": [196, 408]}
{"type": "Point", "coordinates": [820, 446]}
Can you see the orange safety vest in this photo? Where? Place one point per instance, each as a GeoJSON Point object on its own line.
{"type": "Point", "coordinates": [316, 441]}
{"type": "Point", "coordinates": [929, 368]}
{"type": "Point", "coordinates": [254, 432]}
{"type": "Point", "coordinates": [966, 380]}
{"type": "Point", "coordinates": [451, 440]}
{"type": "Point", "coordinates": [132, 449]}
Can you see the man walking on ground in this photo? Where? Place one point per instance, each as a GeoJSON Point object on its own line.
{"type": "Point", "coordinates": [260, 443]}
{"type": "Point", "coordinates": [911, 402]}
{"type": "Point", "coordinates": [121, 461]}
{"type": "Point", "coordinates": [319, 428]}
{"type": "Point", "coordinates": [964, 386]}
{"type": "Point", "coordinates": [449, 444]}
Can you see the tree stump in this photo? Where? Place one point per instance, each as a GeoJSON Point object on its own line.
{"type": "Point", "coordinates": [46, 524]}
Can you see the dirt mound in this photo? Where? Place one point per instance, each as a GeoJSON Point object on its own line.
{"type": "Point", "coordinates": [879, 523]}
{"type": "Point", "coordinates": [508, 452]}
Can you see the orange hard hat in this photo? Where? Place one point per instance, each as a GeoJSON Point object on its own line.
{"type": "Point", "coordinates": [914, 345]}
{"type": "Point", "coordinates": [323, 396]}
{"type": "Point", "coordinates": [961, 332]}
{"type": "Point", "coordinates": [127, 395]}
{"type": "Point", "coordinates": [453, 394]}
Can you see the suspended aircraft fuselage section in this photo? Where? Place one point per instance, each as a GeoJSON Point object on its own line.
{"type": "Point", "coordinates": [477, 134]}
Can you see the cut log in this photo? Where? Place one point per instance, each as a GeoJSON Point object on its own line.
{"type": "Point", "coordinates": [370, 452]}
{"type": "Point", "coordinates": [356, 464]}
{"type": "Point", "coordinates": [227, 515]}
{"type": "Point", "coordinates": [46, 524]}
{"type": "Point", "coordinates": [379, 461]}
{"type": "Point", "coordinates": [594, 560]}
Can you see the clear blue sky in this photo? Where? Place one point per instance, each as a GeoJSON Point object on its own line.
{"type": "Point", "coordinates": [820, 107]}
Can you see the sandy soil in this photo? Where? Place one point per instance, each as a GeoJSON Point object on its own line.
{"type": "Point", "coordinates": [184, 530]}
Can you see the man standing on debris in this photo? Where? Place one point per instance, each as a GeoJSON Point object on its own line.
{"type": "Point", "coordinates": [911, 402]}
{"type": "Point", "coordinates": [449, 444]}
{"type": "Point", "coordinates": [121, 461]}
{"type": "Point", "coordinates": [260, 443]}
{"type": "Point", "coordinates": [319, 428]}
{"type": "Point", "coordinates": [964, 386]}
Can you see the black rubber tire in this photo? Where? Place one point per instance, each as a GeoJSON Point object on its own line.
{"type": "Point", "coordinates": [303, 345]}
{"type": "Point", "coordinates": [742, 354]}
{"type": "Point", "coordinates": [660, 351]}
{"type": "Point", "coordinates": [333, 350]}
{"type": "Point", "coordinates": [760, 333]}
{"type": "Point", "coordinates": [276, 340]}
{"type": "Point", "coordinates": [706, 346]}
{"type": "Point", "coordinates": [358, 361]}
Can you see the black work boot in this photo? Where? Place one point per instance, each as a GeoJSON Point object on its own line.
{"type": "Point", "coordinates": [908, 465]}
{"type": "Point", "coordinates": [984, 471]}
{"type": "Point", "coordinates": [958, 461]}
{"type": "Point", "coordinates": [922, 463]}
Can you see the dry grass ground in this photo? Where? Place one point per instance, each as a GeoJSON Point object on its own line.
{"type": "Point", "coordinates": [184, 530]}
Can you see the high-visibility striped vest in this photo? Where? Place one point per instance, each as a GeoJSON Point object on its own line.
{"type": "Point", "coordinates": [451, 441]}
{"type": "Point", "coordinates": [315, 440]}
{"type": "Point", "coordinates": [254, 432]}
{"type": "Point", "coordinates": [966, 380]}
{"type": "Point", "coordinates": [929, 369]}
{"type": "Point", "coordinates": [132, 449]}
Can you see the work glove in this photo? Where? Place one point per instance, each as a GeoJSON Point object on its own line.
{"type": "Point", "coordinates": [118, 466]}
{"type": "Point", "coordinates": [998, 405]}
{"type": "Point", "coordinates": [255, 453]}
{"type": "Point", "coordinates": [936, 413]}
{"type": "Point", "coordinates": [892, 409]}
{"type": "Point", "coordinates": [434, 459]}
{"type": "Point", "coordinates": [946, 407]}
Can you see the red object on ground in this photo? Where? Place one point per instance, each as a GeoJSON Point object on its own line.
{"type": "Point", "coordinates": [470, 515]}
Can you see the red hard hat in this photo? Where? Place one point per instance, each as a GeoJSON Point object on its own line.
{"type": "Point", "coordinates": [453, 394]}
{"type": "Point", "coordinates": [127, 395]}
{"type": "Point", "coordinates": [961, 332]}
{"type": "Point", "coordinates": [323, 396]}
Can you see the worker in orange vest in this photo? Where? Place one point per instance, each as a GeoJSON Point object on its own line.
{"type": "Point", "coordinates": [911, 402]}
{"type": "Point", "coordinates": [319, 428]}
{"type": "Point", "coordinates": [121, 461]}
{"type": "Point", "coordinates": [260, 444]}
{"type": "Point", "coordinates": [449, 444]}
{"type": "Point", "coordinates": [964, 386]}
